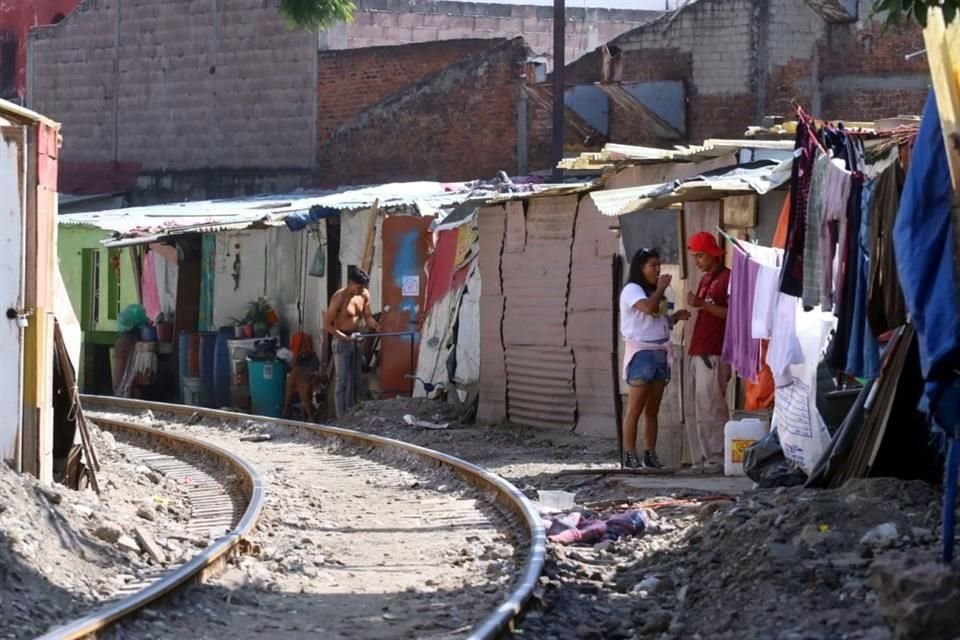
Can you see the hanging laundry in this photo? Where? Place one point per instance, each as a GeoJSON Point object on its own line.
{"type": "Point", "coordinates": [740, 349]}
{"type": "Point", "coordinates": [924, 240]}
{"type": "Point", "coordinates": [804, 153]}
{"type": "Point", "coordinates": [885, 305]}
{"type": "Point", "coordinates": [784, 349]}
{"type": "Point", "coordinates": [845, 288]}
{"type": "Point", "coordinates": [863, 352]}
{"type": "Point", "coordinates": [833, 229]}
{"type": "Point", "coordinates": [783, 225]}
{"type": "Point", "coordinates": [812, 251]}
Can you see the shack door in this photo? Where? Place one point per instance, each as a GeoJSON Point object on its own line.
{"type": "Point", "coordinates": [405, 241]}
{"type": "Point", "coordinates": [12, 191]}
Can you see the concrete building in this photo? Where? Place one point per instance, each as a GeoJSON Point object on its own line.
{"type": "Point", "coordinates": [222, 99]}
{"type": "Point", "coordinates": [714, 67]}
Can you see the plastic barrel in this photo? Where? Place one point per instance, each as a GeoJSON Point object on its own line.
{"type": "Point", "coordinates": [268, 380]}
{"type": "Point", "coordinates": [193, 355]}
{"type": "Point", "coordinates": [183, 349]}
{"type": "Point", "coordinates": [221, 367]}
{"type": "Point", "coordinates": [191, 391]}
{"type": "Point", "coordinates": [208, 349]}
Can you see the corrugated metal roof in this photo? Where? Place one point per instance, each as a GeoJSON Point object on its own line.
{"type": "Point", "coordinates": [132, 225]}
{"type": "Point", "coordinates": [217, 215]}
{"type": "Point", "coordinates": [757, 177]}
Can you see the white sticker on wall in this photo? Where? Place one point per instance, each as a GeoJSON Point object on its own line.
{"type": "Point", "coordinates": [410, 286]}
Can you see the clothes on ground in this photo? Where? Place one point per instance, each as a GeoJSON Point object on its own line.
{"type": "Point", "coordinates": [573, 528]}
{"type": "Point", "coordinates": [708, 329]}
{"type": "Point", "coordinates": [710, 379]}
{"type": "Point", "coordinates": [347, 362]}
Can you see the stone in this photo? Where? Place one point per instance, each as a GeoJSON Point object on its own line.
{"type": "Point", "coordinates": [146, 512]}
{"type": "Point", "coordinates": [126, 543]}
{"type": "Point", "coordinates": [146, 541]}
{"type": "Point", "coordinates": [108, 532]}
{"type": "Point", "coordinates": [881, 537]}
{"type": "Point", "coordinates": [82, 510]}
{"type": "Point", "coordinates": [918, 598]}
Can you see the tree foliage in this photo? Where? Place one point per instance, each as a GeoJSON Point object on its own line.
{"type": "Point", "coordinates": [316, 15]}
{"type": "Point", "coordinates": [899, 11]}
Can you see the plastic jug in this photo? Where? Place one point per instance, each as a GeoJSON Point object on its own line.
{"type": "Point", "coordinates": [738, 435]}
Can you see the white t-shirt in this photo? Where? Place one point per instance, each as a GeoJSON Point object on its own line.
{"type": "Point", "coordinates": [637, 326]}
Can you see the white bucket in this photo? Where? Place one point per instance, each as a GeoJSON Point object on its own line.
{"type": "Point", "coordinates": [191, 392]}
{"type": "Point", "coordinates": [738, 436]}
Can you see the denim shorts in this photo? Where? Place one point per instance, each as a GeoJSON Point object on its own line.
{"type": "Point", "coordinates": [648, 366]}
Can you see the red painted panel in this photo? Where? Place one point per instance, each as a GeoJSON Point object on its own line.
{"type": "Point", "coordinates": [405, 240]}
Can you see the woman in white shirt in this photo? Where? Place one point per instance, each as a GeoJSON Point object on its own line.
{"type": "Point", "coordinates": [645, 324]}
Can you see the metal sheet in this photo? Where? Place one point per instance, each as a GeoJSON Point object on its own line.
{"type": "Point", "coordinates": [404, 255]}
{"type": "Point", "coordinates": [540, 388]}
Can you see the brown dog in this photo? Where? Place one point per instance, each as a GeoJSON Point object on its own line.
{"type": "Point", "coordinates": [301, 380]}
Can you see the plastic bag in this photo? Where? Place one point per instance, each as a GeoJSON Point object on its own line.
{"type": "Point", "coordinates": [319, 266]}
{"type": "Point", "coordinates": [765, 464]}
{"type": "Point", "coordinates": [133, 317]}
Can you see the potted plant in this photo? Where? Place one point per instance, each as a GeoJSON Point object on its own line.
{"type": "Point", "coordinates": [259, 313]}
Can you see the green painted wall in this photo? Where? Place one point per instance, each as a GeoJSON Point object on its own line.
{"type": "Point", "coordinates": [72, 241]}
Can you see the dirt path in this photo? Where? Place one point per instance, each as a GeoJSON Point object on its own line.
{"type": "Point", "coordinates": [354, 546]}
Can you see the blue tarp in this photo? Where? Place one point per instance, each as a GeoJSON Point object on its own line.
{"type": "Point", "coordinates": [298, 221]}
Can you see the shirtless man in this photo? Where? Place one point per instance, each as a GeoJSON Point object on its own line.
{"type": "Point", "coordinates": [348, 307]}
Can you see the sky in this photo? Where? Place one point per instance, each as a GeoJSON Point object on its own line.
{"type": "Point", "coordinates": [609, 4]}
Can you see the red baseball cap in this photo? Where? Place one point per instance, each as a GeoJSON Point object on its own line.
{"type": "Point", "coordinates": [704, 242]}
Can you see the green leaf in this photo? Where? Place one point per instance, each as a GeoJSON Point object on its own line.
{"type": "Point", "coordinates": [920, 12]}
{"type": "Point", "coordinates": [316, 14]}
{"type": "Point", "coordinates": [950, 11]}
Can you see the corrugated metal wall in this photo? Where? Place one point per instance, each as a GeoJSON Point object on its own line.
{"type": "Point", "coordinates": [536, 281]}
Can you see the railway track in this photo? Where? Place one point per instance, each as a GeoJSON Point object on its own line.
{"type": "Point", "coordinates": [226, 497]}
{"type": "Point", "coordinates": [361, 537]}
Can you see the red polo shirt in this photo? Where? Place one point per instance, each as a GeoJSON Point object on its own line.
{"type": "Point", "coordinates": [708, 330]}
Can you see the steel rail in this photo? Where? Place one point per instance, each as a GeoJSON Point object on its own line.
{"type": "Point", "coordinates": [206, 561]}
{"type": "Point", "coordinates": [496, 623]}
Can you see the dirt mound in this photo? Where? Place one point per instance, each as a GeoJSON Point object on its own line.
{"type": "Point", "coordinates": [62, 552]}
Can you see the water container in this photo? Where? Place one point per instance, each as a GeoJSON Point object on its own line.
{"type": "Point", "coordinates": [193, 355]}
{"type": "Point", "coordinates": [208, 348]}
{"type": "Point", "coordinates": [221, 367]}
{"type": "Point", "coordinates": [148, 333]}
{"type": "Point", "coordinates": [164, 332]}
{"type": "Point", "coordinates": [191, 392]}
{"type": "Point", "coordinates": [738, 435]}
{"type": "Point", "coordinates": [268, 380]}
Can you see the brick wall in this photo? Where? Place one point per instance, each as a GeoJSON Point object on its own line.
{"type": "Point", "coordinates": [204, 84]}
{"type": "Point", "coordinates": [393, 22]}
{"type": "Point", "coordinates": [742, 59]}
{"type": "Point", "coordinates": [351, 81]}
{"type": "Point", "coordinates": [16, 20]}
{"type": "Point", "coordinates": [458, 124]}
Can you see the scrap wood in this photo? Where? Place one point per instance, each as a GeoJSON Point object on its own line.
{"type": "Point", "coordinates": [76, 409]}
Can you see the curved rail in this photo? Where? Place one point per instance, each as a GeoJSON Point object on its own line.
{"type": "Point", "coordinates": [497, 622]}
{"type": "Point", "coordinates": [207, 560]}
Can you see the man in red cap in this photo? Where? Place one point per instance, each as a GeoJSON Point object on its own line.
{"type": "Point", "coordinates": [710, 376]}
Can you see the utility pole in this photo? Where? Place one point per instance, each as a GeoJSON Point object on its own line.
{"type": "Point", "coordinates": [559, 62]}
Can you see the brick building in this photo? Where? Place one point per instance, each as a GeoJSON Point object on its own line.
{"type": "Point", "coordinates": [213, 98]}
{"type": "Point", "coordinates": [16, 20]}
{"type": "Point", "coordinates": [717, 66]}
